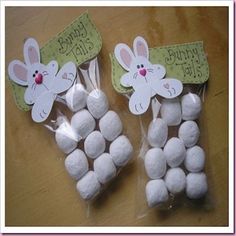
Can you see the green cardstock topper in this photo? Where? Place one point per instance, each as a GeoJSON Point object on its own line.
{"type": "Point", "coordinates": [185, 62]}
{"type": "Point", "coordinates": [78, 42]}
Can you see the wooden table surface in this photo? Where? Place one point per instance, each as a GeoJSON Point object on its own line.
{"type": "Point", "coordinates": [39, 192]}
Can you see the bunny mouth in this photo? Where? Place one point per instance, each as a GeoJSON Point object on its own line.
{"type": "Point", "coordinates": [34, 86]}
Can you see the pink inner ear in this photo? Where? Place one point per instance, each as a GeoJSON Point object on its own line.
{"type": "Point", "coordinates": [141, 49]}
{"type": "Point", "coordinates": [20, 72]}
{"type": "Point", "coordinates": [33, 55]}
{"type": "Point", "coordinates": [125, 57]}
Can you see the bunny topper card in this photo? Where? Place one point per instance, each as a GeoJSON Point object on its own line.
{"type": "Point", "coordinates": [146, 79]}
{"type": "Point", "coordinates": [44, 82]}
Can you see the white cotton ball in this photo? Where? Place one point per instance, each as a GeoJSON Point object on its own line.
{"type": "Point", "coordinates": [110, 125]}
{"type": "Point", "coordinates": [171, 111]}
{"type": "Point", "coordinates": [196, 185]}
{"type": "Point", "coordinates": [195, 159]}
{"type": "Point", "coordinates": [189, 133]}
{"type": "Point", "coordinates": [191, 106]}
{"type": "Point", "coordinates": [175, 152]}
{"type": "Point", "coordinates": [76, 164]}
{"type": "Point", "coordinates": [157, 133]}
{"type": "Point", "coordinates": [83, 123]}
{"type": "Point", "coordinates": [97, 103]}
{"type": "Point", "coordinates": [121, 150]}
{"type": "Point", "coordinates": [156, 192]}
{"type": "Point", "coordinates": [88, 186]}
{"type": "Point", "coordinates": [66, 137]}
{"type": "Point", "coordinates": [104, 168]}
{"type": "Point", "coordinates": [94, 144]}
{"type": "Point", "coordinates": [155, 163]}
{"type": "Point", "coordinates": [76, 97]}
{"type": "Point", "coordinates": [175, 180]}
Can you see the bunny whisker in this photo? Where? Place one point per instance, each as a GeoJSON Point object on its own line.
{"type": "Point", "coordinates": [33, 85]}
{"type": "Point", "coordinates": [150, 70]}
{"type": "Point", "coordinates": [135, 75]}
{"type": "Point", "coordinates": [45, 73]}
{"type": "Point", "coordinates": [45, 86]}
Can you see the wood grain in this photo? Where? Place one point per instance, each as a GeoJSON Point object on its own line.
{"type": "Point", "coordinates": [38, 190]}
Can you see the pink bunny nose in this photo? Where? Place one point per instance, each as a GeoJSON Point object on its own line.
{"type": "Point", "coordinates": [39, 78]}
{"type": "Point", "coordinates": [143, 72]}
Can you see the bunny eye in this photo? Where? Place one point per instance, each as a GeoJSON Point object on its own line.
{"type": "Point", "coordinates": [33, 75]}
{"type": "Point", "coordinates": [36, 72]}
{"type": "Point", "coordinates": [138, 66]}
{"type": "Point", "coordinates": [142, 65]}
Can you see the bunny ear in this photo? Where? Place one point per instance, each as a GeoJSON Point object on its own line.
{"type": "Point", "coordinates": [124, 55]}
{"type": "Point", "coordinates": [18, 72]}
{"type": "Point", "coordinates": [31, 52]}
{"type": "Point", "coordinates": [140, 47]}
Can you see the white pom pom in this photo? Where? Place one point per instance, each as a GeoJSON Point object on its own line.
{"type": "Point", "coordinates": [189, 133]}
{"type": "Point", "coordinates": [121, 150]}
{"type": "Point", "coordinates": [76, 97]}
{"type": "Point", "coordinates": [110, 125]}
{"type": "Point", "coordinates": [175, 152]}
{"type": "Point", "coordinates": [156, 192]}
{"type": "Point", "coordinates": [66, 138]}
{"type": "Point", "coordinates": [157, 133]}
{"type": "Point", "coordinates": [104, 168]}
{"type": "Point", "coordinates": [88, 186]}
{"type": "Point", "coordinates": [191, 106]}
{"type": "Point", "coordinates": [195, 159]}
{"type": "Point", "coordinates": [83, 123]}
{"type": "Point", "coordinates": [76, 164]}
{"type": "Point", "coordinates": [94, 144]}
{"type": "Point", "coordinates": [196, 185]}
{"type": "Point", "coordinates": [175, 180]}
{"type": "Point", "coordinates": [171, 111]}
{"type": "Point", "coordinates": [97, 103]}
{"type": "Point", "coordinates": [155, 163]}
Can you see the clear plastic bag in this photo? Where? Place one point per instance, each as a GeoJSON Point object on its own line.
{"type": "Point", "coordinates": [197, 197]}
{"type": "Point", "coordinates": [90, 134]}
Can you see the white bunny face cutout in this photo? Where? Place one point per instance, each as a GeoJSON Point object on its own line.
{"type": "Point", "coordinates": [145, 78]}
{"type": "Point", "coordinates": [42, 81]}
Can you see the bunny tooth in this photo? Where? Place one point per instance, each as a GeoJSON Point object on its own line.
{"type": "Point", "coordinates": [97, 103]}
